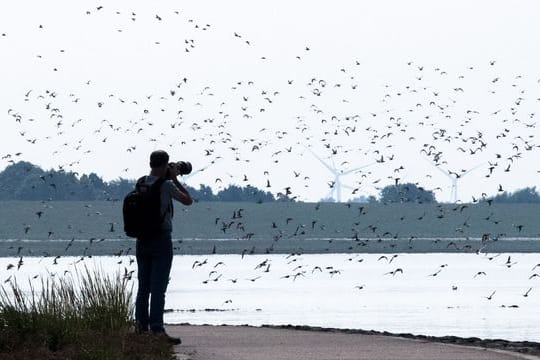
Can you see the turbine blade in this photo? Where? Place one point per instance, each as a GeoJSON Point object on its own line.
{"type": "Point", "coordinates": [438, 168]}
{"type": "Point", "coordinates": [356, 169]}
{"type": "Point", "coordinates": [474, 168]}
{"type": "Point", "coordinates": [332, 170]}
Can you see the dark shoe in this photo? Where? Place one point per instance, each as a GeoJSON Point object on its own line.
{"type": "Point", "coordinates": [171, 339]}
{"type": "Point", "coordinates": [141, 330]}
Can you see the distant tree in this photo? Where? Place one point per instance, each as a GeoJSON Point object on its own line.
{"type": "Point", "coordinates": [204, 193]}
{"type": "Point", "coordinates": [526, 195]}
{"type": "Point", "coordinates": [283, 197]}
{"type": "Point", "coordinates": [231, 193]}
{"type": "Point", "coordinates": [408, 192]}
{"type": "Point", "coordinates": [372, 199]}
{"type": "Point", "coordinates": [360, 199]}
{"type": "Point", "coordinates": [17, 175]}
{"type": "Point", "coordinates": [117, 189]}
{"type": "Point", "coordinates": [25, 181]}
{"type": "Point", "coordinates": [248, 193]}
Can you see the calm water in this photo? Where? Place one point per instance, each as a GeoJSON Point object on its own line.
{"type": "Point", "coordinates": [324, 293]}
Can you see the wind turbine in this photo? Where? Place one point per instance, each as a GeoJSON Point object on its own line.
{"type": "Point", "coordinates": [336, 188]}
{"type": "Point", "coordinates": [454, 178]}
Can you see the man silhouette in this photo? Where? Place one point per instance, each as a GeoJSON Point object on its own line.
{"type": "Point", "coordinates": [154, 251]}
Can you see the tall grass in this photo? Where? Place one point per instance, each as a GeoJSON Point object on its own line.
{"type": "Point", "coordinates": [83, 311]}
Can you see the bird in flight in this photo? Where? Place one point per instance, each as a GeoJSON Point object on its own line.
{"type": "Point", "coordinates": [479, 273]}
{"type": "Point", "coordinates": [491, 295]}
{"type": "Point", "coordinates": [394, 272]}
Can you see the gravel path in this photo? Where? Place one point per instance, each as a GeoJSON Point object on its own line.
{"type": "Point", "coordinates": [261, 343]}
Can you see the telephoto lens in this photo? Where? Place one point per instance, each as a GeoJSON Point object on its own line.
{"type": "Point", "coordinates": [184, 167]}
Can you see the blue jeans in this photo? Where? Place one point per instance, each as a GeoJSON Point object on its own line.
{"type": "Point", "coordinates": [154, 260]}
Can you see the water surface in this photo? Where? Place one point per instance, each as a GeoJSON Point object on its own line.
{"type": "Point", "coordinates": [435, 294]}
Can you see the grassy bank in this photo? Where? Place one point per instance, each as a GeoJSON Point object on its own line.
{"type": "Point", "coordinates": [86, 315]}
{"type": "Point", "coordinates": [56, 228]}
{"type": "Point", "coordinates": [52, 220]}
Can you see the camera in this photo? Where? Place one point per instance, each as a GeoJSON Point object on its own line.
{"type": "Point", "coordinates": [183, 167]}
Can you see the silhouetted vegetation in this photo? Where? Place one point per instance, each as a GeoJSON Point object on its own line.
{"type": "Point", "coordinates": [88, 315]}
{"type": "Point", "coordinates": [526, 195]}
{"type": "Point", "coordinates": [25, 181]}
{"type": "Point", "coordinates": [402, 193]}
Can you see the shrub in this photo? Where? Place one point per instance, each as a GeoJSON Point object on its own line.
{"type": "Point", "coordinates": [88, 315]}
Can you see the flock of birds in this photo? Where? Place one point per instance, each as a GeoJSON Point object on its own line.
{"type": "Point", "coordinates": [432, 117]}
{"type": "Point", "coordinates": [298, 270]}
{"type": "Point", "coordinates": [296, 267]}
{"type": "Point", "coordinates": [433, 120]}
{"type": "Point", "coordinates": [293, 267]}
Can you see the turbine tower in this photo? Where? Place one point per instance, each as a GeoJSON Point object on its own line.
{"type": "Point", "coordinates": [335, 191]}
{"type": "Point", "coordinates": [454, 178]}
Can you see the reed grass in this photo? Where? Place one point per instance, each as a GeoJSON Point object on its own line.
{"type": "Point", "coordinates": [87, 315]}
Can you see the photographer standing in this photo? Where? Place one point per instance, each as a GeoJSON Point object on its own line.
{"type": "Point", "coordinates": [154, 250]}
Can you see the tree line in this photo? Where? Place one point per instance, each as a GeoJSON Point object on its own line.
{"type": "Point", "coordinates": [26, 181]}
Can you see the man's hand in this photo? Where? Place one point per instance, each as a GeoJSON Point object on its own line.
{"type": "Point", "coordinates": [173, 171]}
{"type": "Point", "coordinates": [181, 195]}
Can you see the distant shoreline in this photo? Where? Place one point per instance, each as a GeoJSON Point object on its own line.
{"type": "Point", "coordinates": [275, 228]}
{"type": "Point", "coordinates": [117, 247]}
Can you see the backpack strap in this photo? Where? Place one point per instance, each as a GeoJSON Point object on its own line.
{"type": "Point", "coordinates": [157, 184]}
{"type": "Point", "coordinates": [157, 187]}
{"type": "Point", "coordinates": [140, 181]}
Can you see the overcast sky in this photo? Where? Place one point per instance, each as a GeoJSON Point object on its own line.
{"type": "Point", "coordinates": [247, 87]}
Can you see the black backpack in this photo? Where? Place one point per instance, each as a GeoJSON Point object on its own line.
{"type": "Point", "coordinates": [142, 209]}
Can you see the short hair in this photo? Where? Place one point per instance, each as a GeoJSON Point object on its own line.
{"type": "Point", "coordinates": [158, 158]}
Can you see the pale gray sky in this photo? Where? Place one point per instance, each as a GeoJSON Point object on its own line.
{"type": "Point", "coordinates": [356, 66]}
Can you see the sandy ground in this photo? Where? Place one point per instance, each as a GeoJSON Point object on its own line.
{"type": "Point", "coordinates": [260, 343]}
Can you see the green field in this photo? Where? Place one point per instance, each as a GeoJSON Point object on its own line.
{"type": "Point", "coordinates": [276, 226]}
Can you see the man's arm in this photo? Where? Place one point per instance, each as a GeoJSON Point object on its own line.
{"type": "Point", "coordinates": [181, 194]}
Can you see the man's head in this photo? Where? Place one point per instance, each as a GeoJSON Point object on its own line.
{"type": "Point", "coordinates": [159, 159]}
